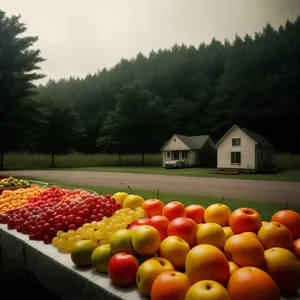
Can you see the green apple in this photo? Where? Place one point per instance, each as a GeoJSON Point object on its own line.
{"type": "Point", "coordinates": [82, 252]}
{"type": "Point", "coordinates": [145, 240]}
{"type": "Point", "coordinates": [120, 241]}
{"type": "Point", "coordinates": [101, 257]}
{"type": "Point", "coordinates": [148, 271]}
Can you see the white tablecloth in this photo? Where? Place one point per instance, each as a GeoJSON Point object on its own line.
{"type": "Point", "coordinates": [57, 272]}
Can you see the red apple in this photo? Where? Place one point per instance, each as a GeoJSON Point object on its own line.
{"type": "Point", "coordinates": [173, 210]}
{"type": "Point", "coordinates": [184, 228]}
{"type": "Point", "coordinates": [122, 269]}
{"type": "Point", "coordinates": [153, 207]}
{"type": "Point", "coordinates": [195, 212]}
{"type": "Point", "coordinates": [135, 224]}
{"type": "Point", "coordinates": [245, 219]}
{"type": "Point", "coordinates": [160, 223]}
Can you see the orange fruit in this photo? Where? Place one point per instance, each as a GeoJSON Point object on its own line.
{"type": "Point", "coordinates": [252, 283]}
{"type": "Point", "coordinates": [245, 219]}
{"type": "Point", "coordinates": [244, 251]}
{"type": "Point", "coordinates": [153, 207]}
{"type": "Point", "coordinates": [284, 267]}
{"type": "Point", "coordinates": [296, 248]}
{"type": "Point", "coordinates": [217, 213]}
{"type": "Point", "coordinates": [275, 234]}
{"type": "Point", "coordinates": [173, 210]}
{"type": "Point", "coordinates": [249, 233]}
{"type": "Point", "coordinates": [170, 285]}
{"type": "Point", "coordinates": [233, 267]}
{"type": "Point", "coordinates": [290, 219]}
{"type": "Point", "coordinates": [195, 212]}
{"type": "Point", "coordinates": [207, 262]}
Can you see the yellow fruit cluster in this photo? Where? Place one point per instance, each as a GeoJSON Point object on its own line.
{"type": "Point", "coordinates": [99, 232]}
{"type": "Point", "coordinates": [16, 198]}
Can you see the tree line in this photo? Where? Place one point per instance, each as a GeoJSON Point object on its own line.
{"type": "Point", "coordinates": [135, 106]}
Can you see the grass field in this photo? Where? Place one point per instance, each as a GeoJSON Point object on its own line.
{"type": "Point", "coordinates": [289, 165]}
{"type": "Point", "coordinates": [266, 209]}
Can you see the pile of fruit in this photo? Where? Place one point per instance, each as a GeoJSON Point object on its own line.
{"type": "Point", "coordinates": [189, 253]}
{"type": "Point", "coordinates": [55, 209]}
{"type": "Point", "coordinates": [12, 182]}
{"type": "Point", "coordinates": [168, 251]}
{"type": "Point", "coordinates": [13, 199]}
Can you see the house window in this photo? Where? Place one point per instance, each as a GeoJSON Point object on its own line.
{"type": "Point", "coordinates": [236, 142]}
{"type": "Point", "coordinates": [168, 154]}
{"type": "Point", "coordinates": [235, 158]}
{"type": "Point", "coordinates": [185, 154]}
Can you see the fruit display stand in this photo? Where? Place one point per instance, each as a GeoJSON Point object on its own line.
{"type": "Point", "coordinates": [57, 272]}
{"type": "Point", "coordinates": [56, 269]}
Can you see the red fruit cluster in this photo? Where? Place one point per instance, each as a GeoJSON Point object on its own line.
{"type": "Point", "coordinates": [52, 211]}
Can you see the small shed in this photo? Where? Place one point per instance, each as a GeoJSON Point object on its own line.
{"type": "Point", "coordinates": [193, 150]}
{"type": "Point", "coordinates": [241, 148]}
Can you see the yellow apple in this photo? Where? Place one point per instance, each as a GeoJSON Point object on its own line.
{"type": "Point", "coordinates": [121, 241]}
{"type": "Point", "coordinates": [145, 240]}
{"type": "Point", "coordinates": [207, 290]}
{"type": "Point", "coordinates": [133, 201]}
{"type": "Point", "coordinates": [175, 250]}
{"type": "Point", "coordinates": [148, 271]}
{"type": "Point", "coordinates": [212, 234]}
{"type": "Point", "coordinates": [217, 213]}
{"type": "Point", "coordinates": [228, 231]}
{"type": "Point", "coordinates": [284, 267]}
{"type": "Point", "coordinates": [120, 197]}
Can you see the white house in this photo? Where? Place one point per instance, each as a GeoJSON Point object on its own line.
{"type": "Point", "coordinates": [240, 148]}
{"type": "Point", "coordinates": [193, 150]}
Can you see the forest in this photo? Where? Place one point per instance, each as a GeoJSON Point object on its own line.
{"type": "Point", "coordinates": [135, 106]}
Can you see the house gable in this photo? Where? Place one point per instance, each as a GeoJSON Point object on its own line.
{"type": "Point", "coordinates": [175, 143]}
{"type": "Point", "coordinates": [256, 138]}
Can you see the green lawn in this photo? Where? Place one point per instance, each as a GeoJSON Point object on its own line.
{"type": "Point", "coordinates": [265, 209]}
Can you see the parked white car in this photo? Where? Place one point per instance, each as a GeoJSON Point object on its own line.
{"type": "Point", "coordinates": [172, 164]}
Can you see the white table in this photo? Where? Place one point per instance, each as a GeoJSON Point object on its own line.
{"type": "Point", "coordinates": [57, 272]}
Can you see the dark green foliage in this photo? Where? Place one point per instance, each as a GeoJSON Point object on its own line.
{"type": "Point", "coordinates": [253, 82]}
{"type": "Point", "coordinates": [59, 130]}
{"type": "Point", "coordinates": [18, 71]}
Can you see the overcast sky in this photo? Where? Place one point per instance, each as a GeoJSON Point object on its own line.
{"type": "Point", "coordinates": [77, 37]}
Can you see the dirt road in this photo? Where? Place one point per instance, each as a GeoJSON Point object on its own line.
{"type": "Point", "coordinates": [270, 191]}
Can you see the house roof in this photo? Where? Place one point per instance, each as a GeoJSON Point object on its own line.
{"type": "Point", "coordinates": [193, 142]}
{"type": "Point", "coordinates": [260, 140]}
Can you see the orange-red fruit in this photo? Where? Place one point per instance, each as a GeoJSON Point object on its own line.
{"type": "Point", "coordinates": [170, 285]}
{"type": "Point", "coordinates": [252, 283]}
{"type": "Point", "coordinates": [245, 219]}
{"type": "Point", "coordinates": [195, 212]}
{"type": "Point", "coordinates": [207, 262]}
{"type": "Point", "coordinates": [184, 228]}
{"type": "Point", "coordinates": [244, 251]}
{"type": "Point", "coordinates": [153, 207]}
{"type": "Point", "coordinates": [296, 248]}
{"type": "Point", "coordinates": [275, 234]}
{"type": "Point", "coordinates": [173, 210]}
{"type": "Point", "coordinates": [290, 219]}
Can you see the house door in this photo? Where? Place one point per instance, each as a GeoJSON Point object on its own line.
{"type": "Point", "coordinates": [176, 155]}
